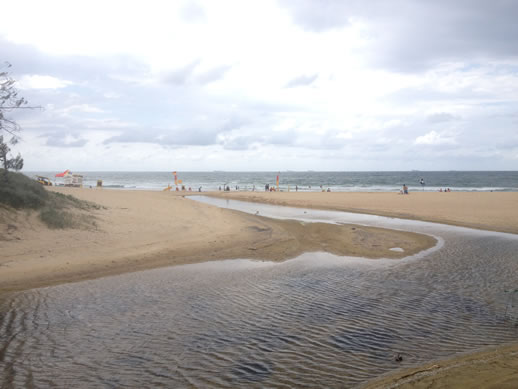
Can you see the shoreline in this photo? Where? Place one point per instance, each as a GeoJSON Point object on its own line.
{"type": "Point", "coordinates": [490, 211]}
{"type": "Point", "coordinates": [492, 367]}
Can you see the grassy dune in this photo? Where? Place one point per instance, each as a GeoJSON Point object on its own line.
{"type": "Point", "coordinates": [20, 193]}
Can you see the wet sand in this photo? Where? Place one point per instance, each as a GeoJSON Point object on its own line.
{"type": "Point", "coordinates": [491, 368]}
{"type": "Point", "coordinates": [140, 230]}
{"type": "Point", "coordinates": [494, 211]}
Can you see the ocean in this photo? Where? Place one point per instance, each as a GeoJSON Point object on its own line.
{"type": "Point", "coordinates": [468, 181]}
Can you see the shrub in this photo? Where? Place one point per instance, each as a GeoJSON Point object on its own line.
{"type": "Point", "coordinates": [19, 191]}
{"type": "Point", "coordinates": [55, 218]}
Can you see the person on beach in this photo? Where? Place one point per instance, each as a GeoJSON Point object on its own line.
{"type": "Point", "coordinates": [296, 188]}
{"type": "Point", "coordinates": [405, 189]}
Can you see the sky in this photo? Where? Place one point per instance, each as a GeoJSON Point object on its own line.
{"type": "Point", "coordinates": [267, 85]}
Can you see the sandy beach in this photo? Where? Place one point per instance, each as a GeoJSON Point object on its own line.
{"type": "Point", "coordinates": [490, 368]}
{"type": "Point", "coordinates": [139, 230]}
{"type": "Point", "coordinates": [494, 211]}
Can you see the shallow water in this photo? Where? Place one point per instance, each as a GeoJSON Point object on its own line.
{"type": "Point", "coordinates": [318, 320]}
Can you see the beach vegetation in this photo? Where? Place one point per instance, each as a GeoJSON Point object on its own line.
{"type": "Point", "coordinates": [56, 210]}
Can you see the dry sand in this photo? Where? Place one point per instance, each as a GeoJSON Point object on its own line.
{"type": "Point", "coordinates": [142, 229]}
{"type": "Point", "coordinates": [495, 211]}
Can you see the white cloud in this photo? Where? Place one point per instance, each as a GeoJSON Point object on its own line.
{"type": "Point", "coordinates": [86, 108]}
{"type": "Point", "coordinates": [434, 138]}
{"type": "Point", "coordinates": [285, 82]}
{"type": "Point", "coordinates": [36, 81]}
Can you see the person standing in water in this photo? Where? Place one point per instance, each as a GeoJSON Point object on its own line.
{"type": "Point", "coordinates": [422, 183]}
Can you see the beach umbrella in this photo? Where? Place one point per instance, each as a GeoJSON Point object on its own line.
{"type": "Point", "coordinates": [63, 174]}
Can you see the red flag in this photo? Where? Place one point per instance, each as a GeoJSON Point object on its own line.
{"type": "Point", "coordinates": [63, 174]}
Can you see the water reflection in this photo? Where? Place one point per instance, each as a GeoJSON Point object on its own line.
{"type": "Point", "coordinates": [318, 320]}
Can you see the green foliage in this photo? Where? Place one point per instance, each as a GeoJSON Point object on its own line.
{"type": "Point", "coordinates": [57, 210]}
{"type": "Point", "coordinates": [56, 218]}
{"type": "Point", "coordinates": [19, 191]}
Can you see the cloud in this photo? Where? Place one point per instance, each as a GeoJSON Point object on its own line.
{"type": "Point", "coordinates": [413, 36]}
{"type": "Point", "coordinates": [301, 81]}
{"type": "Point", "coordinates": [193, 13]}
{"type": "Point", "coordinates": [319, 15]}
{"type": "Point", "coordinates": [182, 75]}
{"type": "Point", "coordinates": [167, 137]}
{"type": "Point", "coordinates": [86, 108]}
{"type": "Point", "coordinates": [188, 74]}
{"type": "Point", "coordinates": [213, 74]}
{"type": "Point", "coordinates": [434, 138]}
{"type": "Point", "coordinates": [440, 117]}
{"type": "Point", "coordinates": [36, 81]}
{"type": "Point", "coordinates": [61, 140]}
{"type": "Point", "coordinates": [388, 73]}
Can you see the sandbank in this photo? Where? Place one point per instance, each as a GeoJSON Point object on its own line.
{"type": "Point", "coordinates": [494, 211]}
{"type": "Point", "coordinates": [489, 368]}
{"type": "Point", "coordinates": [138, 230]}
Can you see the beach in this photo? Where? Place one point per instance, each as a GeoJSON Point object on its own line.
{"type": "Point", "coordinates": [490, 368]}
{"type": "Point", "coordinates": [493, 211]}
{"type": "Point", "coordinates": [139, 230]}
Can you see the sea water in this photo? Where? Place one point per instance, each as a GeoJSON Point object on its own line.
{"type": "Point", "coordinates": [315, 321]}
{"type": "Point", "coordinates": [305, 181]}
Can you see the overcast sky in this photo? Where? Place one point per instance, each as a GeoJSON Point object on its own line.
{"type": "Point", "coordinates": [265, 85]}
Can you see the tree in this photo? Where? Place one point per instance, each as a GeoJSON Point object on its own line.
{"type": "Point", "coordinates": [9, 100]}
{"type": "Point", "coordinates": [7, 163]}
